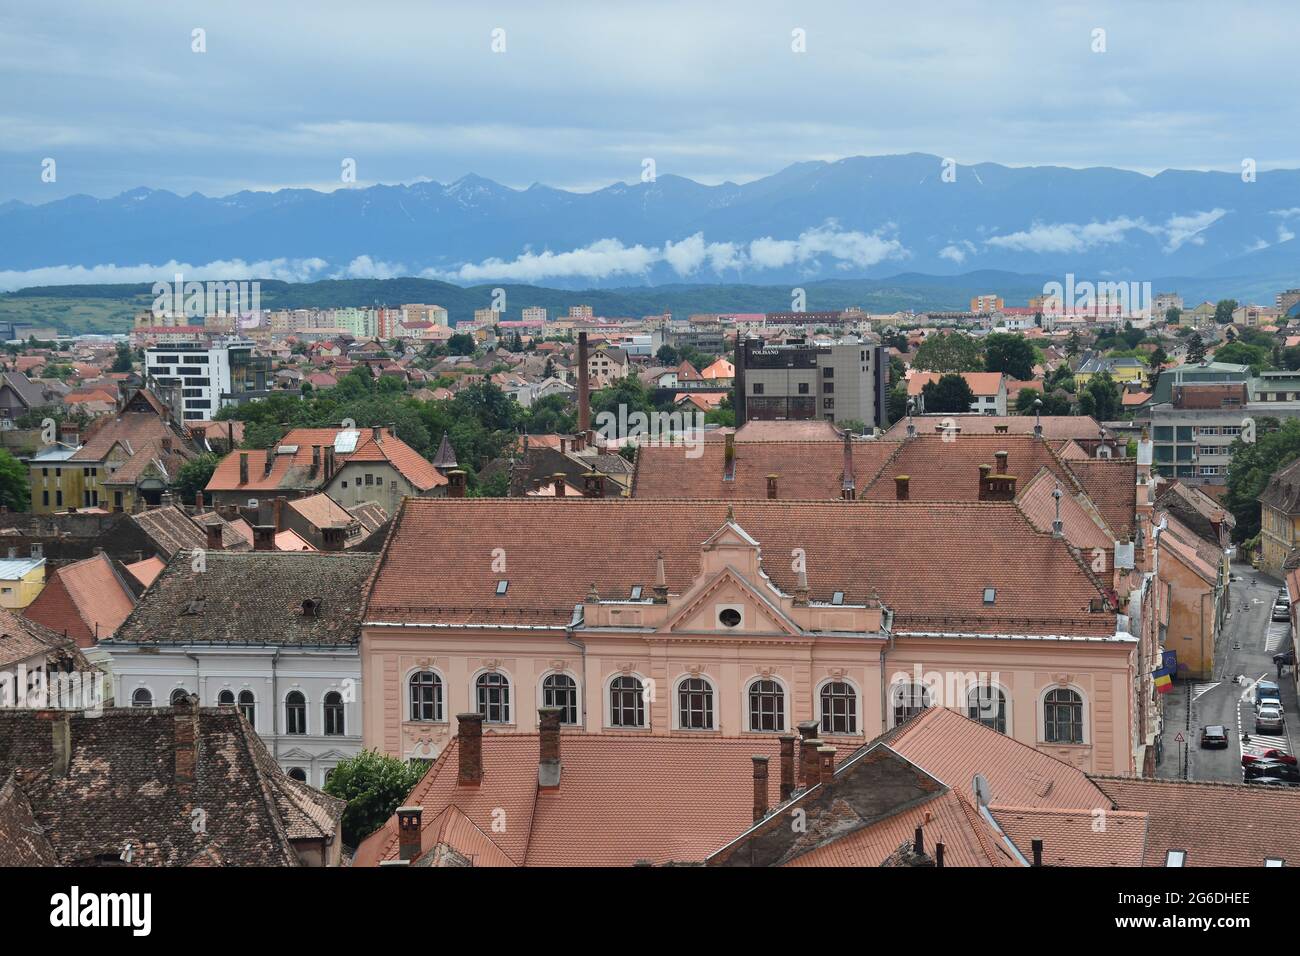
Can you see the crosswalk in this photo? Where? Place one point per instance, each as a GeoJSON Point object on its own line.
{"type": "Point", "coordinates": [1279, 635]}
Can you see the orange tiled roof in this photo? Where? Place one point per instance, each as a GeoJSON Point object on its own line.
{"type": "Point", "coordinates": [87, 600]}
{"type": "Point", "coordinates": [940, 558]}
{"type": "Point", "coordinates": [1072, 837]}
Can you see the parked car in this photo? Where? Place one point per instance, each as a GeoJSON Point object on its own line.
{"type": "Point", "coordinates": [1268, 768]}
{"type": "Point", "coordinates": [1287, 657]}
{"type": "Point", "coordinates": [1269, 702]}
{"type": "Point", "coordinates": [1214, 735]}
{"type": "Point", "coordinates": [1273, 753]}
{"type": "Point", "coordinates": [1268, 720]}
{"type": "Point", "coordinates": [1281, 612]}
{"type": "Point", "coordinates": [1266, 690]}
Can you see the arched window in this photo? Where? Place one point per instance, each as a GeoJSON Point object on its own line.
{"type": "Point", "coordinates": [179, 696]}
{"type": "Point", "coordinates": [248, 707]}
{"type": "Point", "coordinates": [561, 690]}
{"type": "Point", "coordinates": [695, 704]}
{"type": "Point", "coordinates": [295, 713]}
{"type": "Point", "coordinates": [298, 774]}
{"type": "Point", "coordinates": [626, 702]}
{"type": "Point", "coordinates": [493, 697]}
{"type": "Point", "coordinates": [988, 705]}
{"type": "Point", "coordinates": [909, 700]}
{"type": "Point", "coordinates": [766, 706]}
{"type": "Point", "coordinates": [334, 724]}
{"type": "Point", "coordinates": [426, 696]}
{"type": "Point", "coordinates": [1063, 716]}
{"type": "Point", "coordinates": [839, 708]}
{"type": "Point", "coordinates": [142, 697]}
{"type": "Point", "coordinates": [226, 698]}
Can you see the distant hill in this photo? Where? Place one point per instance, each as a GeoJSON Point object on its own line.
{"type": "Point", "coordinates": [857, 218]}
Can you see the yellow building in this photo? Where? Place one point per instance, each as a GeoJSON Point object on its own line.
{"type": "Point", "coordinates": [21, 579]}
{"type": "Point", "coordinates": [1279, 518]}
{"type": "Point", "coordinates": [1124, 371]}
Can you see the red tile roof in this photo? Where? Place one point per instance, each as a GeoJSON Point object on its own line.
{"type": "Point", "coordinates": [939, 559]}
{"type": "Point", "coordinates": [87, 600]}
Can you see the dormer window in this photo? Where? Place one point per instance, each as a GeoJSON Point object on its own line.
{"type": "Point", "coordinates": [990, 596]}
{"type": "Point", "coordinates": [310, 608]}
{"type": "Point", "coordinates": [501, 587]}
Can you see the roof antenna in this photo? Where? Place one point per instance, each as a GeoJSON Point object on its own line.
{"type": "Point", "coordinates": [1057, 526]}
{"type": "Point", "coordinates": [1038, 421]}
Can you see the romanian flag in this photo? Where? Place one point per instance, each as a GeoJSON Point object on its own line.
{"type": "Point", "coordinates": [1164, 680]}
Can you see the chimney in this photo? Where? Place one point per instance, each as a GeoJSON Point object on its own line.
{"type": "Point", "coordinates": [848, 485]}
{"type": "Point", "coordinates": [213, 531]}
{"type": "Point", "coordinates": [198, 501]}
{"type": "Point", "coordinates": [185, 729]}
{"type": "Point", "coordinates": [230, 435]}
{"type": "Point", "coordinates": [469, 734]}
{"type": "Point", "coordinates": [564, 446]}
{"type": "Point", "coordinates": [901, 487]}
{"type": "Point", "coordinates": [329, 462]}
{"type": "Point", "coordinates": [760, 787]}
{"type": "Point", "coordinates": [918, 842]}
{"type": "Point", "coordinates": [408, 832]}
{"type": "Point", "coordinates": [60, 740]}
{"type": "Point", "coordinates": [771, 487]}
{"type": "Point", "coordinates": [729, 457]}
{"type": "Point", "coordinates": [826, 763]}
{"type": "Point", "coordinates": [243, 467]}
{"type": "Point", "coordinates": [277, 513]}
{"type": "Point", "coordinates": [593, 485]}
{"type": "Point", "coordinates": [1001, 457]}
{"type": "Point", "coordinates": [557, 480]}
{"type": "Point", "coordinates": [269, 463]}
{"type": "Point", "coordinates": [263, 537]}
{"type": "Point", "coordinates": [377, 433]}
{"type": "Point", "coordinates": [456, 483]}
{"type": "Point", "coordinates": [315, 462]}
{"type": "Point", "coordinates": [548, 764]}
{"type": "Point", "coordinates": [810, 762]}
{"type": "Point", "coordinates": [938, 854]}
{"type": "Point", "coordinates": [1038, 852]}
{"type": "Point", "coordinates": [661, 580]}
{"type": "Point", "coordinates": [584, 400]}
{"type": "Point", "coordinates": [787, 766]}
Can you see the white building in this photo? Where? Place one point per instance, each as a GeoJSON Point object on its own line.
{"type": "Point", "coordinates": [273, 633]}
{"type": "Point", "coordinates": [208, 378]}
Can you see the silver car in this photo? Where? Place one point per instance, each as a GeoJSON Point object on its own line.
{"type": "Point", "coordinates": [1268, 720]}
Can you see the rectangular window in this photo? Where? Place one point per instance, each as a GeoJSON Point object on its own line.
{"type": "Point", "coordinates": [758, 388]}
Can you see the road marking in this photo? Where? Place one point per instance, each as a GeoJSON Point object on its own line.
{"type": "Point", "coordinates": [1199, 689]}
{"type": "Point", "coordinates": [1278, 632]}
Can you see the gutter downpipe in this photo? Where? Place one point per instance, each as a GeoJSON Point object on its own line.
{"type": "Point", "coordinates": [884, 693]}
{"type": "Point", "coordinates": [582, 648]}
{"type": "Point", "coordinates": [275, 708]}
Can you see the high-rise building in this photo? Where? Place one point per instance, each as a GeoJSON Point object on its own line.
{"type": "Point", "coordinates": [209, 379]}
{"type": "Point", "coordinates": [580, 312]}
{"type": "Point", "coordinates": [842, 381]}
{"type": "Point", "coordinates": [534, 313]}
{"type": "Point", "coordinates": [982, 304]}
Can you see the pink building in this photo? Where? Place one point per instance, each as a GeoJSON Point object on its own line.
{"type": "Point", "coordinates": [699, 618]}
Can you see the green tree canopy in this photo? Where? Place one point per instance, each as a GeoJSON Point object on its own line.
{"type": "Point", "coordinates": [14, 489]}
{"type": "Point", "coordinates": [1009, 354]}
{"type": "Point", "coordinates": [1100, 398]}
{"type": "Point", "coordinates": [1252, 464]}
{"type": "Point", "coordinates": [949, 394]}
{"type": "Point", "coordinates": [949, 352]}
{"type": "Point", "coordinates": [1223, 310]}
{"type": "Point", "coordinates": [194, 476]}
{"type": "Point", "coordinates": [374, 785]}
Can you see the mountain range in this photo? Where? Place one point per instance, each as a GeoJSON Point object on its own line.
{"type": "Point", "coordinates": [856, 218]}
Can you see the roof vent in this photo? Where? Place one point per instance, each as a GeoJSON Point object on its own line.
{"type": "Point", "coordinates": [195, 606]}
{"type": "Point", "coordinates": [310, 608]}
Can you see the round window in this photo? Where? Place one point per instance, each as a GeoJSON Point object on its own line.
{"type": "Point", "coordinates": [730, 617]}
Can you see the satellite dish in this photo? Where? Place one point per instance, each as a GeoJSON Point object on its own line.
{"type": "Point", "coordinates": [982, 792]}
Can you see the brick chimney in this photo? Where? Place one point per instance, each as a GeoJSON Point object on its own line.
{"type": "Point", "coordinates": [409, 832]}
{"type": "Point", "coordinates": [328, 452]}
{"type": "Point", "coordinates": [469, 737]}
{"type": "Point", "coordinates": [185, 730]}
{"type": "Point", "coordinates": [198, 501]}
{"type": "Point", "coordinates": [60, 740]}
{"type": "Point", "coordinates": [848, 483]}
{"type": "Point", "coordinates": [901, 490]}
{"type": "Point", "coordinates": [548, 764]}
{"type": "Point", "coordinates": [729, 457]}
{"type": "Point", "coordinates": [584, 400]}
{"type": "Point", "coordinates": [593, 485]}
{"type": "Point", "coordinates": [243, 467]}
{"type": "Point", "coordinates": [787, 766]}
{"type": "Point", "coordinates": [557, 480]}
{"type": "Point", "coordinates": [760, 787]}
{"type": "Point", "coordinates": [213, 531]}
{"type": "Point", "coordinates": [1001, 458]}
{"type": "Point", "coordinates": [807, 749]}
{"type": "Point", "coordinates": [263, 537]}
{"type": "Point", "coordinates": [315, 462]}
{"type": "Point", "coordinates": [771, 486]}
{"type": "Point", "coordinates": [277, 513]}
{"type": "Point", "coordinates": [826, 763]}
{"type": "Point", "coordinates": [377, 433]}
{"type": "Point", "coordinates": [456, 483]}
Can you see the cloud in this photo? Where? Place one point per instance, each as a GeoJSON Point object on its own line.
{"type": "Point", "coordinates": [1070, 237]}
{"type": "Point", "coordinates": [289, 270]}
{"type": "Point", "coordinates": [363, 267]}
{"type": "Point", "coordinates": [1285, 213]}
{"type": "Point", "coordinates": [610, 257]}
{"type": "Point", "coordinates": [957, 252]}
{"type": "Point", "coordinates": [1284, 234]}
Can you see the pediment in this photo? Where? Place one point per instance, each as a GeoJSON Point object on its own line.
{"type": "Point", "coordinates": [699, 608]}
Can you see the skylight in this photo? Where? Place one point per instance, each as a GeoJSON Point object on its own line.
{"type": "Point", "coordinates": [837, 597]}
{"type": "Point", "coordinates": [990, 595]}
{"type": "Point", "coordinates": [1176, 858]}
{"type": "Point", "coordinates": [636, 592]}
{"type": "Point", "coordinates": [501, 587]}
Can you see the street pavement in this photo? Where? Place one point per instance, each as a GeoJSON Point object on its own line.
{"type": "Point", "coordinates": [1243, 655]}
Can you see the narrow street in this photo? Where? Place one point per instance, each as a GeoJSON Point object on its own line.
{"type": "Point", "coordinates": [1243, 655]}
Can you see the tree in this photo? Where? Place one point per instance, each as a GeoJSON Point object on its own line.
{"type": "Point", "coordinates": [1025, 401]}
{"type": "Point", "coordinates": [122, 360]}
{"type": "Point", "coordinates": [374, 785]}
{"type": "Point", "coordinates": [194, 476]}
{"type": "Point", "coordinates": [1173, 315]}
{"type": "Point", "coordinates": [1251, 467]}
{"type": "Point", "coordinates": [1100, 398]}
{"type": "Point", "coordinates": [949, 394]}
{"type": "Point", "coordinates": [1012, 355]}
{"type": "Point", "coordinates": [1195, 348]}
{"type": "Point", "coordinates": [15, 493]}
{"type": "Point", "coordinates": [1072, 344]}
{"type": "Point", "coordinates": [461, 343]}
{"type": "Point", "coordinates": [897, 402]}
{"type": "Point", "coordinates": [667, 356]}
{"type": "Point", "coordinates": [1239, 353]}
{"type": "Point", "coordinates": [949, 352]}
{"type": "Point", "coordinates": [1223, 310]}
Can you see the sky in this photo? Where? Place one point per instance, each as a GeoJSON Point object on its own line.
{"type": "Point", "coordinates": [578, 95]}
